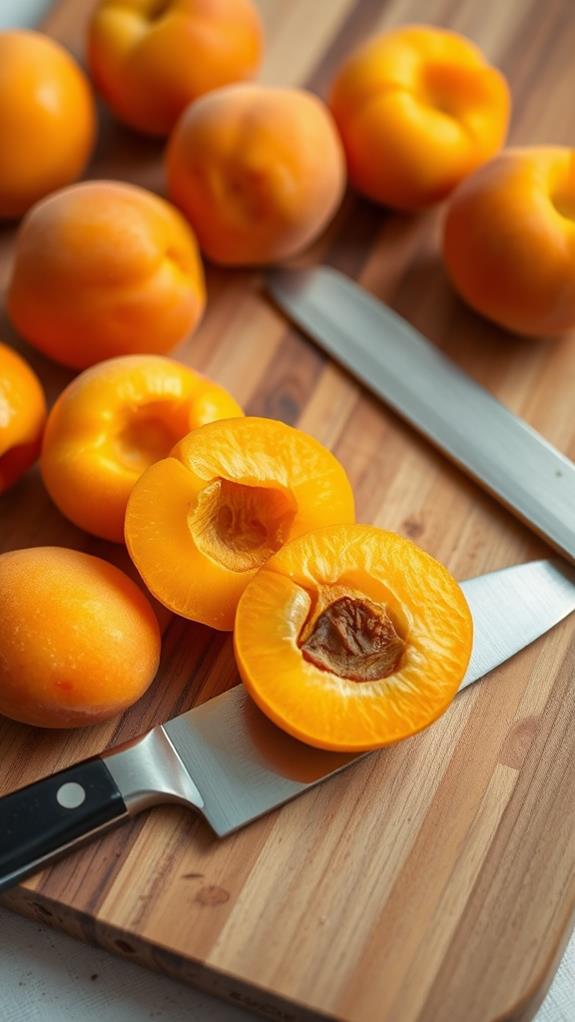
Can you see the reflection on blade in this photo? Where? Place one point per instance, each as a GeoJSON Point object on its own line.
{"type": "Point", "coordinates": [513, 607]}
{"type": "Point", "coordinates": [244, 765]}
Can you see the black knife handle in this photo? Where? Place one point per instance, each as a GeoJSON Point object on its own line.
{"type": "Point", "coordinates": [43, 819]}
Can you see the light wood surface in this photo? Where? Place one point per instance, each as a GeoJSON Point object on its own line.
{"type": "Point", "coordinates": [433, 882]}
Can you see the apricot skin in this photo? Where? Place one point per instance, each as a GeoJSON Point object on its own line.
{"type": "Point", "coordinates": [509, 240]}
{"type": "Point", "coordinates": [79, 642]}
{"type": "Point", "coordinates": [151, 60]}
{"type": "Point", "coordinates": [47, 120]}
{"type": "Point", "coordinates": [258, 171]}
{"type": "Point", "coordinates": [418, 108]}
{"type": "Point", "coordinates": [112, 422]}
{"type": "Point", "coordinates": [22, 416]}
{"type": "Point", "coordinates": [105, 268]}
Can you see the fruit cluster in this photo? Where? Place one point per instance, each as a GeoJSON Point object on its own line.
{"type": "Point", "coordinates": [346, 636]}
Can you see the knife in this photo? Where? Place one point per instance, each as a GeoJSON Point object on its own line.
{"type": "Point", "coordinates": [226, 760]}
{"type": "Point", "coordinates": [509, 458]}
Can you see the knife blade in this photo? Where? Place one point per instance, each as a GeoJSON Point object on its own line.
{"type": "Point", "coordinates": [226, 760]}
{"type": "Point", "coordinates": [503, 453]}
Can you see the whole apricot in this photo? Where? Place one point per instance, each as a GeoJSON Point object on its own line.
{"type": "Point", "coordinates": [47, 120]}
{"type": "Point", "coordinates": [509, 240]}
{"type": "Point", "coordinates": [111, 423]}
{"type": "Point", "coordinates": [104, 269]}
{"type": "Point", "coordinates": [258, 171]}
{"type": "Point", "coordinates": [150, 58]}
{"type": "Point", "coordinates": [418, 108]}
{"type": "Point", "coordinates": [79, 641]}
{"type": "Point", "coordinates": [22, 416]}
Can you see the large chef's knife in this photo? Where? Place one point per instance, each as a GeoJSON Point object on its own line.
{"type": "Point", "coordinates": [398, 364]}
{"type": "Point", "coordinates": [226, 760]}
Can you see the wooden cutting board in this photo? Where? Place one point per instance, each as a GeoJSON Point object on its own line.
{"type": "Point", "coordinates": [434, 881]}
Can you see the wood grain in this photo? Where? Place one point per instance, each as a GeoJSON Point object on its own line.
{"type": "Point", "coordinates": [436, 881]}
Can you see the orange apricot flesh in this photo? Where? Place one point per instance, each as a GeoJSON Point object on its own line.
{"type": "Point", "coordinates": [22, 416]}
{"type": "Point", "coordinates": [79, 640]}
{"type": "Point", "coordinates": [112, 422]}
{"type": "Point", "coordinates": [200, 523]}
{"type": "Point", "coordinates": [351, 638]}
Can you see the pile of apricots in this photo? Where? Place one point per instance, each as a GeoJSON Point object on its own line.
{"type": "Point", "coordinates": [346, 636]}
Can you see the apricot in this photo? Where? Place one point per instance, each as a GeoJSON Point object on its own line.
{"type": "Point", "coordinates": [350, 638]}
{"type": "Point", "coordinates": [150, 58]}
{"type": "Point", "coordinates": [104, 269]}
{"type": "Point", "coordinates": [111, 423]}
{"type": "Point", "coordinates": [509, 240]}
{"type": "Point", "coordinates": [200, 523]}
{"type": "Point", "coordinates": [418, 108]}
{"type": "Point", "coordinates": [47, 120]}
{"type": "Point", "coordinates": [22, 416]}
{"type": "Point", "coordinates": [79, 640]}
{"type": "Point", "coordinates": [258, 171]}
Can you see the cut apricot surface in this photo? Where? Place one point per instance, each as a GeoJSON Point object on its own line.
{"type": "Point", "coordinates": [351, 638]}
{"type": "Point", "coordinates": [111, 423]}
{"type": "Point", "coordinates": [200, 523]}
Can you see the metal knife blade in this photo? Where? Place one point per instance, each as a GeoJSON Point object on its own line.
{"type": "Point", "coordinates": [226, 760]}
{"type": "Point", "coordinates": [509, 458]}
{"type": "Point", "coordinates": [243, 765]}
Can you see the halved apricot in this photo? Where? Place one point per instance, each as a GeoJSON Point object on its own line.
{"type": "Point", "coordinates": [114, 420]}
{"type": "Point", "coordinates": [351, 638]}
{"type": "Point", "coordinates": [200, 523]}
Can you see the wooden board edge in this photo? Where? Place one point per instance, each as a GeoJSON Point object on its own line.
{"type": "Point", "coordinates": [525, 1009]}
{"type": "Point", "coordinates": [37, 907]}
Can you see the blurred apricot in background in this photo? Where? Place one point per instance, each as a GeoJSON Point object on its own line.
{"type": "Point", "coordinates": [102, 269]}
{"type": "Point", "coordinates": [22, 416]}
{"type": "Point", "coordinates": [258, 171]}
{"type": "Point", "coordinates": [150, 58]}
{"type": "Point", "coordinates": [47, 120]}
{"type": "Point", "coordinates": [418, 109]}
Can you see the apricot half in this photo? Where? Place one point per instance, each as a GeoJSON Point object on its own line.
{"type": "Point", "coordinates": [111, 423]}
{"type": "Point", "coordinates": [105, 268]}
{"type": "Point", "coordinates": [79, 641]}
{"type": "Point", "coordinates": [22, 416]}
{"type": "Point", "coordinates": [509, 240]}
{"type": "Point", "coordinates": [418, 109]}
{"type": "Point", "coordinates": [351, 638]}
{"type": "Point", "coordinates": [200, 523]}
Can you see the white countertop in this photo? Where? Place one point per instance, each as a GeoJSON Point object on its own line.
{"type": "Point", "coordinates": [46, 976]}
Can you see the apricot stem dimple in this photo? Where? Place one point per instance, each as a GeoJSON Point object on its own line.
{"type": "Point", "coordinates": [354, 638]}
